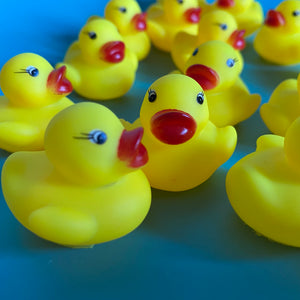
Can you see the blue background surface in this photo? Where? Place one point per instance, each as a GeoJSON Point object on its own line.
{"type": "Point", "coordinates": [191, 245]}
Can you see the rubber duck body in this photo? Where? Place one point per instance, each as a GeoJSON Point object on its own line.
{"type": "Point", "coordinates": [249, 14]}
{"type": "Point", "coordinates": [214, 25]}
{"type": "Point", "coordinates": [131, 23]}
{"type": "Point", "coordinates": [184, 147]}
{"type": "Point", "coordinates": [87, 186]}
{"type": "Point", "coordinates": [283, 106]}
{"type": "Point", "coordinates": [216, 66]}
{"type": "Point", "coordinates": [264, 187]}
{"type": "Point", "coordinates": [278, 41]}
{"type": "Point", "coordinates": [33, 94]}
{"type": "Point", "coordinates": [99, 65]}
{"type": "Point", "coordinates": [167, 18]}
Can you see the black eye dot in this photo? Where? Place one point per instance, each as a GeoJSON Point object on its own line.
{"type": "Point", "coordinates": [92, 35]}
{"type": "Point", "coordinates": [32, 71]}
{"type": "Point", "coordinates": [223, 26]}
{"type": "Point", "coordinates": [98, 137]}
{"type": "Point", "coordinates": [122, 9]}
{"type": "Point", "coordinates": [200, 98]}
{"type": "Point", "coordinates": [180, 1]}
{"type": "Point", "coordinates": [230, 62]}
{"type": "Point", "coordinates": [296, 13]}
{"type": "Point", "coordinates": [195, 52]}
{"type": "Point", "coordinates": [151, 95]}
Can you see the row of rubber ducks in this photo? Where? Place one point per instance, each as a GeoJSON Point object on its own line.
{"type": "Point", "coordinates": [90, 183]}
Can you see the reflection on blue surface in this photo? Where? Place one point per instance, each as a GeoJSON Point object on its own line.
{"type": "Point", "coordinates": [191, 244]}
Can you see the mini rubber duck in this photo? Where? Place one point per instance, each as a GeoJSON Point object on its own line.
{"type": "Point", "coordinates": [283, 106]}
{"type": "Point", "coordinates": [184, 147]}
{"type": "Point", "coordinates": [167, 17]}
{"type": "Point", "coordinates": [33, 94]}
{"type": "Point", "coordinates": [99, 65]}
{"type": "Point", "coordinates": [216, 66]}
{"type": "Point", "coordinates": [264, 187]}
{"type": "Point", "coordinates": [249, 14]}
{"type": "Point", "coordinates": [214, 25]}
{"type": "Point", "coordinates": [278, 41]}
{"type": "Point", "coordinates": [87, 186]}
{"type": "Point", "coordinates": [131, 23]}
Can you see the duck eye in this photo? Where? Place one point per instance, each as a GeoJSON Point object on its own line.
{"type": "Point", "coordinates": [296, 13]}
{"type": "Point", "coordinates": [122, 9]}
{"type": "Point", "coordinates": [151, 95]}
{"type": "Point", "coordinates": [200, 98]}
{"type": "Point", "coordinates": [195, 52]}
{"type": "Point", "coordinates": [180, 1]}
{"type": "Point", "coordinates": [97, 136]}
{"type": "Point", "coordinates": [92, 35]}
{"type": "Point", "coordinates": [32, 71]}
{"type": "Point", "coordinates": [230, 62]}
{"type": "Point", "coordinates": [223, 26]}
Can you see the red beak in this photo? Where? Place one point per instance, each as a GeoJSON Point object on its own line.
{"type": "Point", "coordinates": [274, 18]}
{"type": "Point", "coordinates": [205, 76]}
{"type": "Point", "coordinates": [172, 126]}
{"type": "Point", "coordinates": [236, 39]}
{"type": "Point", "coordinates": [131, 150]}
{"type": "Point", "coordinates": [58, 83]}
{"type": "Point", "coordinates": [192, 15]}
{"type": "Point", "coordinates": [139, 21]}
{"type": "Point", "coordinates": [113, 52]}
{"type": "Point", "coordinates": [225, 3]}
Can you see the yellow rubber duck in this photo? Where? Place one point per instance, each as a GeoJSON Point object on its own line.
{"type": "Point", "coordinates": [264, 187]}
{"type": "Point", "coordinates": [99, 65]}
{"type": "Point", "coordinates": [283, 106]}
{"type": "Point", "coordinates": [131, 23]}
{"type": "Point", "coordinates": [249, 14]}
{"type": "Point", "coordinates": [214, 25]}
{"type": "Point", "coordinates": [216, 66]}
{"type": "Point", "coordinates": [167, 17]}
{"type": "Point", "coordinates": [184, 147]}
{"type": "Point", "coordinates": [87, 186]}
{"type": "Point", "coordinates": [33, 94]}
{"type": "Point", "coordinates": [278, 41]}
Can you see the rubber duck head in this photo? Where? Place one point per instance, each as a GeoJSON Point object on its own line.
{"type": "Point", "coordinates": [181, 11]}
{"type": "Point", "coordinates": [100, 42]}
{"type": "Point", "coordinates": [221, 25]}
{"type": "Point", "coordinates": [28, 80]}
{"type": "Point", "coordinates": [126, 15]}
{"type": "Point", "coordinates": [234, 6]}
{"type": "Point", "coordinates": [215, 65]}
{"type": "Point", "coordinates": [88, 145]}
{"type": "Point", "coordinates": [174, 109]}
{"type": "Point", "coordinates": [286, 17]}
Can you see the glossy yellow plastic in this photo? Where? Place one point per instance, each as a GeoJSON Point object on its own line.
{"type": "Point", "coordinates": [33, 94]}
{"type": "Point", "coordinates": [198, 148]}
{"type": "Point", "coordinates": [131, 23]}
{"type": "Point", "coordinates": [214, 25]}
{"type": "Point", "coordinates": [249, 14]}
{"type": "Point", "coordinates": [283, 106]}
{"type": "Point", "coordinates": [78, 192]}
{"type": "Point", "coordinates": [264, 187]}
{"type": "Point", "coordinates": [280, 43]}
{"type": "Point", "coordinates": [229, 100]}
{"type": "Point", "coordinates": [98, 64]}
{"type": "Point", "coordinates": [167, 17]}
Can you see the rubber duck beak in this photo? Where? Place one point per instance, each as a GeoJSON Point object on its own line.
{"type": "Point", "coordinates": [131, 149]}
{"type": "Point", "coordinates": [192, 15]}
{"type": "Point", "coordinates": [113, 52]}
{"type": "Point", "coordinates": [225, 3]}
{"type": "Point", "coordinates": [236, 39]}
{"type": "Point", "coordinates": [205, 76]}
{"type": "Point", "coordinates": [139, 21]}
{"type": "Point", "coordinates": [274, 18]}
{"type": "Point", "coordinates": [173, 127]}
{"type": "Point", "coordinates": [58, 83]}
